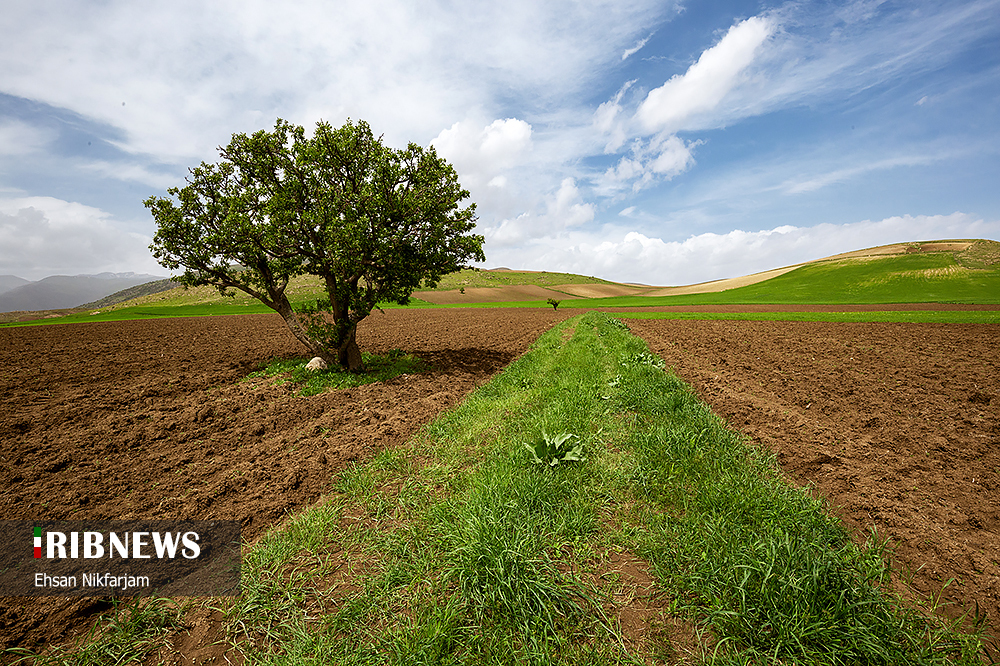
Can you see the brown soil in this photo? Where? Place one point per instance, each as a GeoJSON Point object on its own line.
{"type": "Point", "coordinates": [599, 290]}
{"type": "Point", "coordinates": [760, 307]}
{"type": "Point", "coordinates": [150, 419]}
{"type": "Point", "coordinates": [898, 425]}
{"type": "Point", "coordinates": [514, 293]}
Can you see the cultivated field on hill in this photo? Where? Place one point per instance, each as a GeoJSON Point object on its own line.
{"type": "Point", "coordinates": [896, 425]}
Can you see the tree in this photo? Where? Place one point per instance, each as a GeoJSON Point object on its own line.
{"type": "Point", "coordinates": [371, 221]}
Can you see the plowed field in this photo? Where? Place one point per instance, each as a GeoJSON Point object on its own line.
{"type": "Point", "coordinates": [898, 425]}
{"type": "Point", "coordinates": [150, 419]}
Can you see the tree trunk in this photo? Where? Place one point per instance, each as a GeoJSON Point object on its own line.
{"type": "Point", "coordinates": [349, 356]}
{"type": "Point", "coordinates": [302, 335]}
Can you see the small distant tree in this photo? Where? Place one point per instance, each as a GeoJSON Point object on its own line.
{"type": "Point", "coordinates": [372, 222]}
{"type": "Point", "coordinates": [554, 303]}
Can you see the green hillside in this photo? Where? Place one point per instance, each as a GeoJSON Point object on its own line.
{"type": "Point", "coordinates": [922, 277]}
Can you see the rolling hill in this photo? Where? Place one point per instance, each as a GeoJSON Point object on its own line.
{"type": "Point", "coordinates": [944, 271]}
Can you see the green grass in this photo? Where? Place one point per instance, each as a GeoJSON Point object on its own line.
{"type": "Point", "coordinates": [123, 635]}
{"type": "Point", "coordinates": [377, 369]}
{"type": "Point", "coordinates": [205, 309]}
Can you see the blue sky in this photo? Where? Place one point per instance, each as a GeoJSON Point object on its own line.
{"type": "Point", "coordinates": [655, 142]}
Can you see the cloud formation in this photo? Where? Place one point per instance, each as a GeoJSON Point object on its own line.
{"type": "Point", "coordinates": [480, 155]}
{"type": "Point", "coordinates": [43, 236]}
{"type": "Point", "coordinates": [18, 138]}
{"type": "Point", "coordinates": [637, 257]}
{"type": "Point", "coordinates": [706, 83]}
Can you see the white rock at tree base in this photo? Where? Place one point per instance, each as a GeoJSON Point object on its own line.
{"type": "Point", "coordinates": [316, 364]}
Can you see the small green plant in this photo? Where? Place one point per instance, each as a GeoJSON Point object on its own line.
{"type": "Point", "coordinates": [619, 324]}
{"type": "Point", "coordinates": [554, 303]}
{"type": "Point", "coordinates": [644, 358]}
{"type": "Point", "coordinates": [553, 450]}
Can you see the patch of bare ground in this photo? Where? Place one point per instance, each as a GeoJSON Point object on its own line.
{"type": "Point", "coordinates": [897, 425]}
{"type": "Point", "coordinates": [150, 419]}
{"type": "Point", "coordinates": [642, 612]}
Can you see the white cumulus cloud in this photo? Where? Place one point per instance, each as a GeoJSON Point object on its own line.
{"type": "Point", "coordinates": [480, 154]}
{"type": "Point", "coordinates": [563, 210]}
{"type": "Point", "coordinates": [644, 258]}
{"type": "Point", "coordinates": [706, 82]}
{"type": "Point", "coordinates": [661, 157]}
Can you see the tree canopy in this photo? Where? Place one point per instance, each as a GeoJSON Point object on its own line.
{"type": "Point", "coordinates": [371, 221]}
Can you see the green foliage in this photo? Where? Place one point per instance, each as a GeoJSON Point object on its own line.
{"type": "Point", "coordinates": [644, 357]}
{"type": "Point", "coordinates": [371, 221]}
{"type": "Point", "coordinates": [312, 316]}
{"type": "Point", "coordinates": [554, 303]}
{"type": "Point", "coordinates": [555, 449]}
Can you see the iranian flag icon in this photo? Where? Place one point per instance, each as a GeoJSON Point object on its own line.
{"type": "Point", "coordinates": [38, 542]}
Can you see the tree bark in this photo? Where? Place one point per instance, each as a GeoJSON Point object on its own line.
{"type": "Point", "coordinates": [302, 335]}
{"type": "Point", "coordinates": [349, 356]}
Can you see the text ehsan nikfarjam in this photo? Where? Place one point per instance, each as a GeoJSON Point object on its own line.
{"type": "Point", "coordinates": [137, 545]}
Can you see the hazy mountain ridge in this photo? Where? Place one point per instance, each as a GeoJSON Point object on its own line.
{"type": "Point", "coordinates": [9, 282]}
{"type": "Point", "coordinates": [65, 291]}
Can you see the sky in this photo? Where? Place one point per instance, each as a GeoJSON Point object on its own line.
{"type": "Point", "coordinates": [663, 143]}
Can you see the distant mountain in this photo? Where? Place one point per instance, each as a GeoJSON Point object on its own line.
{"type": "Point", "coordinates": [8, 282]}
{"type": "Point", "coordinates": [63, 291]}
